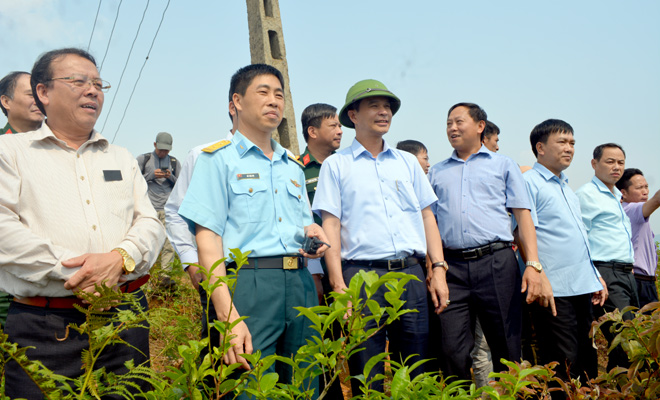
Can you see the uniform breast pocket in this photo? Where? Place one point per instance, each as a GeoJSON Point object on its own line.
{"type": "Point", "coordinates": [296, 202]}
{"type": "Point", "coordinates": [406, 196]}
{"type": "Point", "coordinates": [250, 199]}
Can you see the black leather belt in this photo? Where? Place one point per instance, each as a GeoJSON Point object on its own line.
{"type": "Point", "coordinates": [647, 278]}
{"type": "Point", "coordinates": [625, 267]}
{"type": "Point", "coordinates": [476, 253]}
{"type": "Point", "coordinates": [390, 265]}
{"type": "Point", "coordinates": [286, 262]}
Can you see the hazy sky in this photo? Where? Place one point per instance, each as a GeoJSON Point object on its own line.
{"type": "Point", "coordinates": [594, 64]}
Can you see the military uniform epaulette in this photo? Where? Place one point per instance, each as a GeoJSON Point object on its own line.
{"type": "Point", "coordinates": [216, 146]}
{"type": "Point", "coordinates": [295, 158]}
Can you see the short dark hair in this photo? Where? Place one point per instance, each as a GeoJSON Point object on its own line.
{"type": "Point", "coordinates": [412, 146]}
{"type": "Point", "coordinates": [490, 130]}
{"type": "Point", "coordinates": [598, 151]}
{"type": "Point", "coordinates": [542, 131]}
{"type": "Point", "coordinates": [476, 113]}
{"type": "Point", "coordinates": [314, 115]}
{"type": "Point", "coordinates": [244, 77]}
{"type": "Point", "coordinates": [43, 73]}
{"type": "Point", "coordinates": [628, 173]}
{"type": "Point", "coordinates": [8, 85]}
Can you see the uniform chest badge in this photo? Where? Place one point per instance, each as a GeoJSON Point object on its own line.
{"type": "Point", "coordinates": [295, 183]}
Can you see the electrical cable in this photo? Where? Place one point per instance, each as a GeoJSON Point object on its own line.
{"type": "Point", "coordinates": [141, 69]}
{"type": "Point", "coordinates": [107, 115]}
{"type": "Point", "coordinates": [111, 33]}
{"type": "Point", "coordinates": [94, 26]}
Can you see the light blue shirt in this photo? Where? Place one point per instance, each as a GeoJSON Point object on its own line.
{"type": "Point", "coordinates": [608, 226]}
{"type": "Point", "coordinates": [563, 245]}
{"type": "Point", "coordinates": [378, 201]}
{"type": "Point", "coordinates": [254, 203]}
{"type": "Point", "coordinates": [474, 197]}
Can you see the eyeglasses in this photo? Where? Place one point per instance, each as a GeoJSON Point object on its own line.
{"type": "Point", "coordinates": [82, 81]}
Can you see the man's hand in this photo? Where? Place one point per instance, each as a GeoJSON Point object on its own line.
{"type": "Point", "coordinates": [538, 289]}
{"type": "Point", "coordinates": [195, 275]}
{"type": "Point", "coordinates": [314, 230]}
{"type": "Point", "coordinates": [241, 344]}
{"type": "Point", "coordinates": [319, 287]}
{"type": "Point", "coordinates": [159, 173]}
{"type": "Point", "coordinates": [96, 268]}
{"type": "Point", "coordinates": [600, 296]}
{"type": "Point", "coordinates": [439, 290]}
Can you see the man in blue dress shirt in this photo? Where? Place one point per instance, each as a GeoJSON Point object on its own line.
{"type": "Point", "coordinates": [249, 193]}
{"type": "Point", "coordinates": [610, 234]}
{"type": "Point", "coordinates": [476, 189]}
{"type": "Point", "coordinates": [563, 250]}
{"type": "Point", "coordinates": [375, 202]}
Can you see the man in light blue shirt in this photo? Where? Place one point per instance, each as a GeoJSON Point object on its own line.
{"type": "Point", "coordinates": [249, 193]}
{"type": "Point", "coordinates": [563, 250]}
{"type": "Point", "coordinates": [610, 234]}
{"type": "Point", "coordinates": [375, 203]}
{"type": "Point", "coordinates": [476, 189]}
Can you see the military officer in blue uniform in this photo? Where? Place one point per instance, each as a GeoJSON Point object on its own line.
{"type": "Point", "coordinates": [249, 193]}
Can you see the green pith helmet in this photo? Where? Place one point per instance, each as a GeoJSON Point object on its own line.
{"type": "Point", "coordinates": [362, 90]}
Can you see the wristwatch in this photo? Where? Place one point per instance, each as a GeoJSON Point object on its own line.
{"type": "Point", "coordinates": [128, 263]}
{"type": "Point", "coordinates": [536, 265]}
{"type": "Point", "coordinates": [441, 264]}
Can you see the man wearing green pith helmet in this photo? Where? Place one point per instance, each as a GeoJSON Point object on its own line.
{"type": "Point", "coordinates": [375, 203]}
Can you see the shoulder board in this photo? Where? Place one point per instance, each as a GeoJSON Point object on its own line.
{"type": "Point", "coordinates": [294, 158]}
{"type": "Point", "coordinates": [216, 146]}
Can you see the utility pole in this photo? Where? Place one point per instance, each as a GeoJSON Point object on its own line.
{"type": "Point", "coordinates": [267, 47]}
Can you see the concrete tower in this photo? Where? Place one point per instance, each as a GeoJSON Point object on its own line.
{"type": "Point", "coordinates": [267, 47]}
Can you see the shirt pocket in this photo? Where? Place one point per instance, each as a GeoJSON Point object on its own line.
{"type": "Point", "coordinates": [405, 195]}
{"type": "Point", "coordinates": [251, 196]}
{"type": "Point", "coordinates": [296, 202]}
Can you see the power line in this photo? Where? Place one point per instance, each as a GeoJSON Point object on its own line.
{"type": "Point", "coordinates": [94, 27]}
{"type": "Point", "coordinates": [107, 115]}
{"type": "Point", "coordinates": [141, 69]}
{"type": "Point", "coordinates": [111, 33]}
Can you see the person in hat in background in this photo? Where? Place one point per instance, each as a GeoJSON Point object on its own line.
{"type": "Point", "coordinates": [161, 171]}
{"type": "Point", "coordinates": [375, 203]}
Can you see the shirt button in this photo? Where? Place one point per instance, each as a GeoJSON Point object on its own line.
{"type": "Point", "coordinates": [299, 196]}
{"type": "Point", "coordinates": [280, 219]}
{"type": "Point", "coordinates": [77, 155]}
{"type": "Point", "coordinates": [250, 190]}
{"type": "Point", "coordinates": [275, 190]}
{"type": "Point", "coordinates": [87, 201]}
{"type": "Point", "coordinates": [94, 227]}
{"type": "Point", "coordinates": [82, 178]}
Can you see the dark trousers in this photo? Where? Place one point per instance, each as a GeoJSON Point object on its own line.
{"type": "Point", "coordinates": [334, 333]}
{"type": "Point", "coordinates": [267, 298]}
{"type": "Point", "coordinates": [408, 336]}
{"type": "Point", "coordinates": [622, 293]}
{"type": "Point", "coordinates": [565, 338]}
{"type": "Point", "coordinates": [647, 291]}
{"type": "Point", "coordinates": [43, 328]}
{"type": "Point", "coordinates": [489, 288]}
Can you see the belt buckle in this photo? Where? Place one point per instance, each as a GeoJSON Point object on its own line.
{"type": "Point", "coordinates": [470, 254]}
{"type": "Point", "coordinates": [290, 262]}
{"type": "Point", "coordinates": [393, 266]}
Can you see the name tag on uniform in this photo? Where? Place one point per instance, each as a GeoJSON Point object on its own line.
{"type": "Point", "coordinates": [254, 175]}
{"type": "Point", "coordinates": [112, 175]}
{"type": "Point", "coordinates": [312, 180]}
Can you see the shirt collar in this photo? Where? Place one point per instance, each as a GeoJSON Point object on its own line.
{"type": "Point", "coordinates": [44, 133]}
{"type": "Point", "coordinates": [357, 149]}
{"type": "Point", "coordinates": [548, 175]}
{"type": "Point", "coordinates": [8, 129]}
{"type": "Point", "coordinates": [307, 158]}
{"type": "Point", "coordinates": [243, 145]}
{"type": "Point", "coordinates": [482, 150]}
{"type": "Point", "coordinates": [601, 186]}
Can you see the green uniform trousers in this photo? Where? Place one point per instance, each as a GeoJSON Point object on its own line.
{"type": "Point", "coordinates": [267, 298]}
{"type": "Point", "coordinates": [5, 299]}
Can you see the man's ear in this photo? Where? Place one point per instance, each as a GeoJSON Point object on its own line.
{"type": "Point", "coordinates": [4, 99]}
{"type": "Point", "coordinates": [482, 126]}
{"type": "Point", "coordinates": [311, 131]}
{"type": "Point", "coordinates": [593, 163]}
{"type": "Point", "coordinates": [539, 148]}
{"type": "Point", "coordinates": [42, 93]}
{"type": "Point", "coordinates": [236, 100]}
{"type": "Point", "coordinates": [351, 116]}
